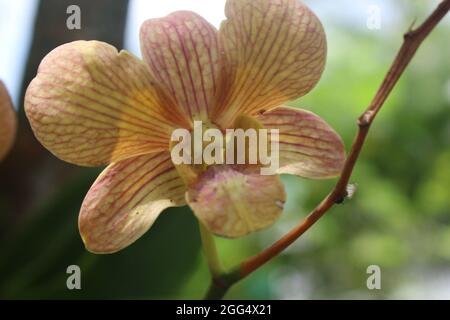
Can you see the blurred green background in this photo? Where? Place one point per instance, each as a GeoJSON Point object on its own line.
{"type": "Point", "coordinates": [399, 218]}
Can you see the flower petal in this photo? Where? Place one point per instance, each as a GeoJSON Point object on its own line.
{"type": "Point", "coordinates": [275, 52]}
{"type": "Point", "coordinates": [91, 105]}
{"type": "Point", "coordinates": [233, 201]}
{"type": "Point", "coordinates": [182, 52]}
{"type": "Point", "coordinates": [308, 147]}
{"type": "Point", "coordinates": [126, 199]}
{"type": "Point", "coordinates": [8, 122]}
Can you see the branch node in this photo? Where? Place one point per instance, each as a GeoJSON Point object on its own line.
{"type": "Point", "coordinates": [348, 193]}
{"type": "Point", "coordinates": [340, 199]}
{"type": "Point", "coordinates": [219, 282]}
{"type": "Point", "coordinates": [408, 36]}
{"type": "Point", "coordinates": [366, 119]}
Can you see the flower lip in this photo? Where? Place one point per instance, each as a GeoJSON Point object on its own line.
{"type": "Point", "coordinates": [233, 201]}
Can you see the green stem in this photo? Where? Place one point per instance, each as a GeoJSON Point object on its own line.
{"type": "Point", "coordinates": [210, 252]}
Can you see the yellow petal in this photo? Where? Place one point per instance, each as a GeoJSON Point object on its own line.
{"type": "Point", "coordinates": [308, 146]}
{"type": "Point", "coordinates": [91, 105]}
{"type": "Point", "coordinates": [233, 201]}
{"type": "Point", "coordinates": [275, 52]}
{"type": "Point", "coordinates": [182, 52]}
{"type": "Point", "coordinates": [126, 199]}
{"type": "Point", "coordinates": [8, 122]}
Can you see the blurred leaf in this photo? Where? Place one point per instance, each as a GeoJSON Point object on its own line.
{"type": "Point", "coordinates": [155, 266]}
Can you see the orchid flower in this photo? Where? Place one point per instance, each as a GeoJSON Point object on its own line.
{"type": "Point", "coordinates": [8, 122]}
{"type": "Point", "coordinates": [91, 105]}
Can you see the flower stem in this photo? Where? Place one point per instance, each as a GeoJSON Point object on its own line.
{"type": "Point", "coordinates": [221, 280]}
{"type": "Point", "coordinates": [210, 252]}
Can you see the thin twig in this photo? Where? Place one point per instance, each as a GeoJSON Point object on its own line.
{"type": "Point", "coordinates": [412, 40]}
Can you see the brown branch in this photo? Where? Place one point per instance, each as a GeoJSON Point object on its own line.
{"type": "Point", "coordinates": [412, 40]}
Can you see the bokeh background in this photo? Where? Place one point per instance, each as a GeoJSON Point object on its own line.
{"type": "Point", "coordinates": [399, 218]}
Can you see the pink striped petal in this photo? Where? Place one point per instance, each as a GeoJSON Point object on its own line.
{"type": "Point", "coordinates": [91, 105]}
{"type": "Point", "coordinates": [182, 52]}
{"type": "Point", "coordinates": [233, 201]}
{"type": "Point", "coordinates": [126, 199]}
{"type": "Point", "coordinates": [309, 147]}
{"type": "Point", "coordinates": [276, 52]}
{"type": "Point", "coordinates": [8, 122]}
